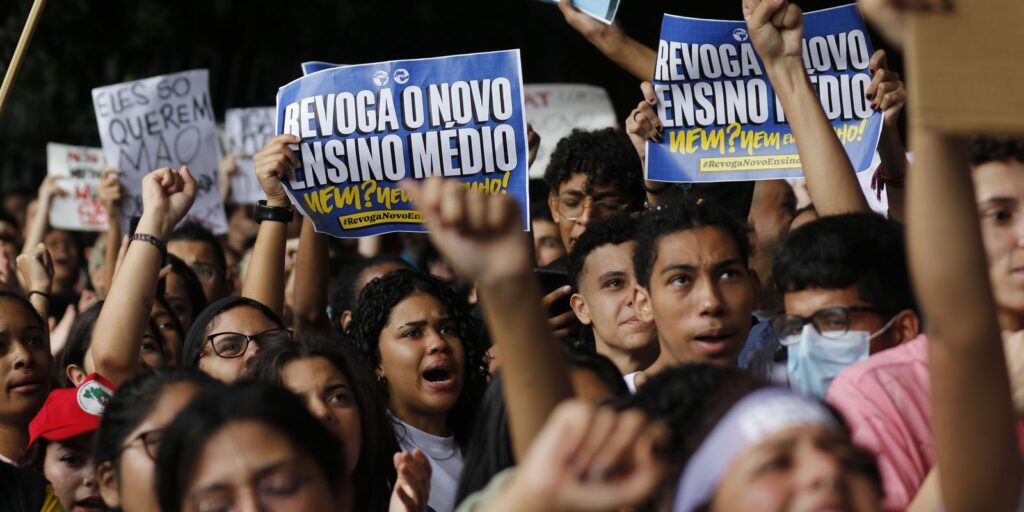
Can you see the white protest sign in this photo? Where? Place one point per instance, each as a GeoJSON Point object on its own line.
{"type": "Point", "coordinates": [247, 131]}
{"type": "Point", "coordinates": [79, 209]}
{"type": "Point", "coordinates": [555, 109]}
{"type": "Point", "coordinates": [163, 121]}
{"type": "Point", "coordinates": [601, 10]}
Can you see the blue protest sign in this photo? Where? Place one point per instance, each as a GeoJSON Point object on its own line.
{"type": "Point", "coordinates": [602, 10]}
{"type": "Point", "coordinates": [722, 119]}
{"type": "Point", "coordinates": [308, 68]}
{"type": "Point", "coordinates": [366, 127]}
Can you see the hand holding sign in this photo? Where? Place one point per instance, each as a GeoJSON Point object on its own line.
{"type": "Point", "coordinates": [643, 124]}
{"type": "Point", "coordinates": [776, 29]}
{"type": "Point", "coordinates": [479, 234]}
{"type": "Point", "coordinates": [275, 163]}
{"type": "Point", "coordinates": [166, 198]}
{"type": "Point", "coordinates": [886, 92]}
{"type": "Point", "coordinates": [110, 191]}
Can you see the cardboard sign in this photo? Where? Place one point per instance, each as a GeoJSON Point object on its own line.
{"type": "Point", "coordinates": [80, 168]}
{"type": "Point", "coordinates": [247, 131]}
{"type": "Point", "coordinates": [163, 121]}
{"type": "Point", "coordinates": [723, 121]}
{"type": "Point", "coordinates": [366, 127]}
{"type": "Point", "coordinates": [965, 68]}
{"type": "Point", "coordinates": [554, 110]}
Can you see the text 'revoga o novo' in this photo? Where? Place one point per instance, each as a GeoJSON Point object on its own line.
{"type": "Point", "coordinates": [450, 129]}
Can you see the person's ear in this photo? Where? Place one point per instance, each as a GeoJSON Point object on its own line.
{"type": "Point", "coordinates": [109, 490]}
{"type": "Point", "coordinates": [755, 283]}
{"type": "Point", "coordinates": [379, 373]}
{"type": "Point", "coordinates": [579, 306]}
{"type": "Point", "coordinates": [75, 374]}
{"type": "Point", "coordinates": [642, 304]}
{"type": "Point", "coordinates": [905, 327]}
{"type": "Point", "coordinates": [346, 320]}
{"type": "Point", "coordinates": [553, 206]}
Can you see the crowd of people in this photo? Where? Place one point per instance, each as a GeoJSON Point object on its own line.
{"type": "Point", "coordinates": [726, 347]}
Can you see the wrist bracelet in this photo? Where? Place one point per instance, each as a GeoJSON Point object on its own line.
{"type": "Point", "coordinates": [37, 292]}
{"type": "Point", "coordinates": [150, 239]}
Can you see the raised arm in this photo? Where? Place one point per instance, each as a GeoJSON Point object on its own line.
{"type": "Point", "coordinates": [41, 222]}
{"type": "Point", "coordinates": [615, 44]}
{"type": "Point", "coordinates": [109, 192]}
{"type": "Point", "coordinates": [480, 235]}
{"type": "Point", "coordinates": [36, 269]}
{"type": "Point", "coordinates": [114, 353]}
{"type": "Point", "coordinates": [264, 278]}
{"type": "Point", "coordinates": [973, 418]}
{"type": "Point", "coordinates": [888, 94]}
{"type": "Point", "coordinates": [310, 286]}
{"type": "Point", "coordinates": [776, 28]}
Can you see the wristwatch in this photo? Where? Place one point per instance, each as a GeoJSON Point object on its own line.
{"type": "Point", "coordinates": [275, 213]}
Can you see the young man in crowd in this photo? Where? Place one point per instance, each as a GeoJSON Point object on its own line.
{"type": "Point", "coordinates": [887, 398]}
{"type": "Point", "coordinates": [601, 271]}
{"type": "Point", "coordinates": [547, 242]}
{"type": "Point", "coordinates": [695, 283]}
{"type": "Point", "coordinates": [846, 294]}
{"type": "Point", "coordinates": [201, 251]}
{"type": "Point", "coordinates": [591, 175]}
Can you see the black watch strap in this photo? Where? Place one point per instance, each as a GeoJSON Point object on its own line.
{"type": "Point", "coordinates": [274, 213]}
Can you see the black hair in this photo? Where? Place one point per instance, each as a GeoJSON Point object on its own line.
{"type": "Point", "coordinates": [194, 232]}
{"type": "Point", "coordinates": [599, 365]}
{"type": "Point", "coordinates": [175, 323]}
{"type": "Point", "coordinates": [373, 311]}
{"type": "Point", "coordinates": [343, 292]}
{"type": "Point", "coordinates": [675, 218]}
{"type": "Point", "coordinates": [196, 336]}
{"type": "Point", "coordinates": [375, 472]}
{"type": "Point", "coordinates": [990, 149]}
{"type": "Point", "coordinates": [539, 211]}
{"type": "Point", "coordinates": [133, 402]}
{"type": "Point", "coordinates": [25, 303]}
{"type": "Point", "coordinates": [184, 440]}
{"type": "Point", "coordinates": [614, 230]}
{"type": "Point", "coordinates": [605, 156]}
{"type": "Point", "coordinates": [78, 342]}
{"type": "Point", "coordinates": [193, 287]}
{"type": "Point", "coordinates": [490, 449]}
{"type": "Point", "coordinates": [864, 250]}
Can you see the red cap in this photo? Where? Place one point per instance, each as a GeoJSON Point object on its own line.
{"type": "Point", "coordinates": [71, 412]}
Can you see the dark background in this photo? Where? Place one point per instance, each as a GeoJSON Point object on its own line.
{"type": "Point", "coordinates": [252, 47]}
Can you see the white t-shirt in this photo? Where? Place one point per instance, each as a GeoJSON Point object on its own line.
{"type": "Point", "coordinates": [445, 459]}
{"type": "Point", "coordinates": [630, 379]}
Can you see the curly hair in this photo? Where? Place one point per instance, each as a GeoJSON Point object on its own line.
{"type": "Point", "coordinates": [374, 473]}
{"type": "Point", "coordinates": [615, 230]}
{"type": "Point", "coordinates": [373, 311]}
{"type": "Point", "coordinates": [681, 217]}
{"type": "Point", "coordinates": [989, 149]}
{"type": "Point", "coordinates": [605, 156]}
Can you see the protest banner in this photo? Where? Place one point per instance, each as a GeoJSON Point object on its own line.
{"type": "Point", "coordinates": [972, 53]}
{"type": "Point", "coordinates": [163, 121]}
{"type": "Point", "coordinates": [366, 127]}
{"type": "Point", "coordinates": [308, 68]}
{"type": "Point", "coordinates": [602, 10]}
{"type": "Point", "coordinates": [723, 121]}
{"type": "Point", "coordinates": [80, 169]}
{"type": "Point", "coordinates": [555, 109]}
{"type": "Point", "coordinates": [247, 130]}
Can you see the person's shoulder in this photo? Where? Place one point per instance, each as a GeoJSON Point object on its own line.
{"type": "Point", "coordinates": [897, 369]}
{"type": "Point", "coordinates": [21, 488]}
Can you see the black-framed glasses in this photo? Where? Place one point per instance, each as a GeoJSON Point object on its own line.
{"type": "Point", "coordinates": [150, 440]}
{"type": "Point", "coordinates": [831, 322]}
{"type": "Point", "coordinates": [571, 206]}
{"type": "Point", "coordinates": [231, 345]}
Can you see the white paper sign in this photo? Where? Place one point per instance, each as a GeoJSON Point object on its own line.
{"type": "Point", "coordinates": [79, 209]}
{"type": "Point", "coordinates": [555, 109]}
{"type": "Point", "coordinates": [247, 131]}
{"type": "Point", "coordinates": [163, 121]}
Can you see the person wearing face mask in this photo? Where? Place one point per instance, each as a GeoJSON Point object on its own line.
{"type": "Point", "coordinates": [60, 445]}
{"type": "Point", "coordinates": [846, 295]}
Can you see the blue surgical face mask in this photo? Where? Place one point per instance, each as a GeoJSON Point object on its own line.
{"type": "Point", "coordinates": [814, 360]}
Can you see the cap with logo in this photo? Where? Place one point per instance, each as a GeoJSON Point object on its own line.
{"type": "Point", "coordinates": [71, 412]}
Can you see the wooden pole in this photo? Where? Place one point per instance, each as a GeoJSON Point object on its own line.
{"type": "Point", "coordinates": [19, 53]}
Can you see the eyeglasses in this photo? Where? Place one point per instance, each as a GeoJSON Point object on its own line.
{"type": "Point", "coordinates": [150, 442]}
{"type": "Point", "coordinates": [231, 345]}
{"type": "Point", "coordinates": [829, 322]}
{"type": "Point", "coordinates": [205, 271]}
{"type": "Point", "coordinates": [571, 206]}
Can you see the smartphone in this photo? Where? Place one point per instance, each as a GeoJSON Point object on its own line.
{"type": "Point", "coordinates": [551, 280]}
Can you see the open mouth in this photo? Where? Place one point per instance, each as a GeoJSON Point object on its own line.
{"type": "Point", "coordinates": [439, 375]}
{"type": "Point", "coordinates": [94, 504]}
